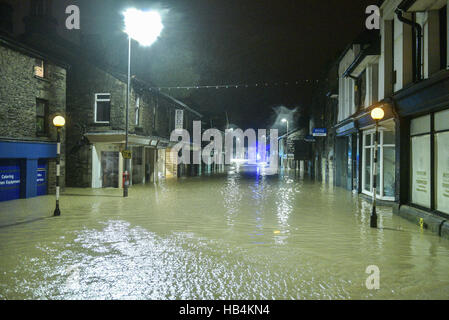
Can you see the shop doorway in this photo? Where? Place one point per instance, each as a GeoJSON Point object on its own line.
{"type": "Point", "coordinates": [150, 159]}
{"type": "Point", "coordinates": [109, 169]}
{"type": "Point", "coordinates": [385, 166]}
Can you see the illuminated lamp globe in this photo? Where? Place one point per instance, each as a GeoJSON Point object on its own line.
{"type": "Point", "coordinates": [59, 121]}
{"type": "Point", "coordinates": [377, 114]}
{"type": "Point", "coordinates": [143, 26]}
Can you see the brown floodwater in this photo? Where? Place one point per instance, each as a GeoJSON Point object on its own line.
{"type": "Point", "coordinates": [228, 236]}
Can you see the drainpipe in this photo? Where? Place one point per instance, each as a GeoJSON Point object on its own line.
{"type": "Point", "coordinates": [417, 55]}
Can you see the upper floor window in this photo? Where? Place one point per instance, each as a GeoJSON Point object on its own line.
{"type": "Point", "coordinates": [137, 118]}
{"type": "Point", "coordinates": [360, 91]}
{"type": "Point", "coordinates": [41, 117]}
{"type": "Point", "coordinates": [40, 68]}
{"type": "Point", "coordinates": [102, 107]}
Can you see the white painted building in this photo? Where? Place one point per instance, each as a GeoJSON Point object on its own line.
{"type": "Point", "coordinates": [407, 75]}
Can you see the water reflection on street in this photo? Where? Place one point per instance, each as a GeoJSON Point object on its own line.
{"type": "Point", "coordinates": [229, 236]}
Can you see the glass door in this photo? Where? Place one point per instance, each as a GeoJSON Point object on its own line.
{"type": "Point", "coordinates": [385, 164]}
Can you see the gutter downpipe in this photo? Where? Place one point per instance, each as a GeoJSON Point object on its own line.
{"type": "Point", "coordinates": [417, 54]}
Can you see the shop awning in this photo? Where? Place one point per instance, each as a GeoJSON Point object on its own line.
{"type": "Point", "coordinates": [119, 137]}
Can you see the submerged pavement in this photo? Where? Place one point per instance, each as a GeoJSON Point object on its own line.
{"type": "Point", "coordinates": [230, 236]}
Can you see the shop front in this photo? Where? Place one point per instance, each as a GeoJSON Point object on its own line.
{"type": "Point", "coordinates": [346, 155]}
{"type": "Point", "coordinates": [429, 161]}
{"type": "Point", "coordinates": [108, 163]}
{"type": "Point", "coordinates": [424, 109]}
{"type": "Point", "coordinates": [24, 169]}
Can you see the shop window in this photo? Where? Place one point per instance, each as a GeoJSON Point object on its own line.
{"type": "Point", "coordinates": [420, 125]}
{"type": "Point", "coordinates": [41, 117]}
{"type": "Point", "coordinates": [442, 171]}
{"type": "Point", "coordinates": [367, 170]}
{"type": "Point", "coordinates": [442, 161]}
{"type": "Point", "coordinates": [389, 163]}
{"type": "Point", "coordinates": [420, 161]}
{"type": "Point", "coordinates": [421, 170]}
{"type": "Point", "coordinates": [442, 120]}
{"type": "Point", "coordinates": [102, 107]}
{"type": "Point", "coordinates": [389, 137]}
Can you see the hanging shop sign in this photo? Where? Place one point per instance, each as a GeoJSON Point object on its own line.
{"type": "Point", "coordinates": [126, 154]}
{"type": "Point", "coordinates": [319, 132]}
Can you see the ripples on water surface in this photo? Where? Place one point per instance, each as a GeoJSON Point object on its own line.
{"type": "Point", "coordinates": [229, 237]}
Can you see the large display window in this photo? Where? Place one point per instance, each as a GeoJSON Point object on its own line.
{"type": "Point", "coordinates": [430, 161]}
{"type": "Point", "coordinates": [420, 167]}
{"type": "Point", "coordinates": [442, 161]}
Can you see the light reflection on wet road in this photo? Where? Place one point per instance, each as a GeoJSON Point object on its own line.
{"type": "Point", "coordinates": [222, 237]}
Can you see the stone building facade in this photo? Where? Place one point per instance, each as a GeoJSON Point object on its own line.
{"type": "Point", "coordinates": [32, 92]}
{"type": "Point", "coordinates": [95, 113]}
{"type": "Point", "coordinates": [95, 145]}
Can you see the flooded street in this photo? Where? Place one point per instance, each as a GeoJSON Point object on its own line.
{"type": "Point", "coordinates": [228, 236]}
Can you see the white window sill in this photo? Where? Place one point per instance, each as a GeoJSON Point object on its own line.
{"type": "Point", "coordinates": [378, 197]}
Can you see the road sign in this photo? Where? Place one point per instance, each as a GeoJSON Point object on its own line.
{"type": "Point", "coordinates": [126, 154]}
{"type": "Point", "coordinates": [319, 132]}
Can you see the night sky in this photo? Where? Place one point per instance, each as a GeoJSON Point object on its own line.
{"type": "Point", "coordinates": [208, 42]}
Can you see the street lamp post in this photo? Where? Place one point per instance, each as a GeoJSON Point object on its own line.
{"type": "Point", "coordinates": [377, 114]}
{"type": "Point", "coordinates": [144, 27]}
{"type": "Point", "coordinates": [126, 180]}
{"type": "Point", "coordinates": [286, 149]}
{"type": "Point", "coordinates": [58, 122]}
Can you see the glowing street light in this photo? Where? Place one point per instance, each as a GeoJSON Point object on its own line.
{"type": "Point", "coordinates": [377, 114]}
{"type": "Point", "coordinates": [144, 27]}
{"type": "Point", "coordinates": [58, 122]}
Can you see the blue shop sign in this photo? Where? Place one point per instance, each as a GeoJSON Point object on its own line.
{"type": "Point", "coordinates": [9, 182]}
{"type": "Point", "coordinates": [42, 178]}
{"type": "Point", "coordinates": [346, 129]}
{"type": "Point", "coordinates": [319, 132]}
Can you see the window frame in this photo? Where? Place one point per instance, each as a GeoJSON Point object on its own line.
{"type": "Point", "coordinates": [102, 100]}
{"type": "Point", "coordinates": [433, 165]}
{"type": "Point", "coordinates": [45, 117]}
{"type": "Point", "coordinates": [369, 150]}
{"type": "Point", "coordinates": [43, 66]}
{"type": "Point", "coordinates": [137, 112]}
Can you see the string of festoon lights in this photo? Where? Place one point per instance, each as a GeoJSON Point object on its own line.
{"type": "Point", "coordinates": [277, 84]}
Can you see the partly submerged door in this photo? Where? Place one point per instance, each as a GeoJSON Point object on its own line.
{"type": "Point", "coordinates": [109, 168]}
